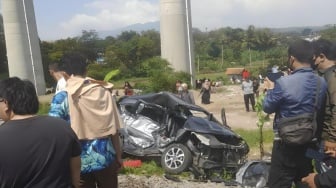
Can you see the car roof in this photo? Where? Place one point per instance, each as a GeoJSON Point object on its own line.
{"type": "Point", "coordinates": [165, 99]}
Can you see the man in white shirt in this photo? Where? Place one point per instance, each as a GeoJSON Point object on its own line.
{"type": "Point", "coordinates": [58, 76]}
{"type": "Point", "coordinates": [247, 87]}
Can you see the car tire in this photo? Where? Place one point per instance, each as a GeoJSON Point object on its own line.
{"type": "Point", "coordinates": [176, 158]}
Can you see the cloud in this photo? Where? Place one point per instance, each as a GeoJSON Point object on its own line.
{"type": "Point", "coordinates": [212, 14]}
{"type": "Point", "coordinates": [109, 15]}
{"type": "Point", "coordinates": [262, 13]}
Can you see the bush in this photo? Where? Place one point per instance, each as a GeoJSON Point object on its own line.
{"type": "Point", "coordinates": [97, 71]}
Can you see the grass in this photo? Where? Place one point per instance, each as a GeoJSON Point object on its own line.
{"type": "Point", "coordinates": [43, 108]}
{"type": "Point", "coordinates": [252, 136]}
{"type": "Point", "coordinates": [4, 75]}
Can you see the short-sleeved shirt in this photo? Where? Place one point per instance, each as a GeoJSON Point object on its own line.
{"type": "Point", "coordinates": [36, 152]}
{"type": "Point", "coordinates": [247, 87]}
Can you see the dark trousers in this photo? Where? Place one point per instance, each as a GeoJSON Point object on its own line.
{"type": "Point", "coordinates": [247, 99]}
{"type": "Point", "coordinates": [288, 165]}
{"type": "Point", "coordinates": [106, 178]}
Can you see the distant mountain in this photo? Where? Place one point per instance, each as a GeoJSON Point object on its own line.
{"type": "Point", "coordinates": [299, 29]}
{"type": "Point", "coordinates": [135, 27]}
{"type": "Point", "coordinates": [156, 26]}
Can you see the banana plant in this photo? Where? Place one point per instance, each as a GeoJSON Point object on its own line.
{"type": "Point", "coordinates": [262, 118]}
{"type": "Point", "coordinates": [111, 74]}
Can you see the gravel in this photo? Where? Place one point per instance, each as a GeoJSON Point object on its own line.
{"type": "Point", "coordinates": [135, 181]}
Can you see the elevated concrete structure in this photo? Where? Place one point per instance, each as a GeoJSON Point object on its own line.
{"type": "Point", "coordinates": [176, 35]}
{"type": "Point", "coordinates": [22, 43]}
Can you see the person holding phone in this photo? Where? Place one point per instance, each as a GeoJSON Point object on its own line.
{"type": "Point", "coordinates": [290, 96]}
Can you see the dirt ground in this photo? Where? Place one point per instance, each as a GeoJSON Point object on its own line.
{"type": "Point", "coordinates": [230, 97]}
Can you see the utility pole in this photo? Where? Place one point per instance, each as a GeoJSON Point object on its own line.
{"type": "Point", "coordinates": [22, 42]}
{"type": "Point", "coordinates": [222, 53]}
{"type": "Point", "coordinates": [250, 56]}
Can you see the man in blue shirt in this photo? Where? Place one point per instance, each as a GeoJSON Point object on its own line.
{"type": "Point", "coordinates": [290, 96]}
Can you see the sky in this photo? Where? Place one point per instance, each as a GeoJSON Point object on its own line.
{"type": "Point", "coordinates": [58, 19]}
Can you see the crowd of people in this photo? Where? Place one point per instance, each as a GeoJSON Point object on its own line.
{"type": "Point", "coordinates": [77, 144]}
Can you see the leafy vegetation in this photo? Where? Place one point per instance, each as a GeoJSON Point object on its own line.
{"type": "Point", "coordinates": [137, 55]}
{"type": "Point", "coordinates": [252, 137]}
{"type": "Point", "coordinates": [44, 108]}
{"type": "Point", "coordinates": [262, 118]}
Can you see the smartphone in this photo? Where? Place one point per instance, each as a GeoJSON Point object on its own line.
{"type": "Point", "coordinates": [274, 76]}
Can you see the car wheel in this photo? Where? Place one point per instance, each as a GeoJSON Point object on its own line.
{"type": "Point", "coordinates": [176, 158]}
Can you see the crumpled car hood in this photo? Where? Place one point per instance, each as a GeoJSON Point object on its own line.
{"type": "Point", "coordinates": [201, 125]}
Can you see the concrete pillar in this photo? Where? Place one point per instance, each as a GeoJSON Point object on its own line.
{"type": "Point", "coordinates": [22, 42]}
{"type": "Point", "coordinates": [176, 35]}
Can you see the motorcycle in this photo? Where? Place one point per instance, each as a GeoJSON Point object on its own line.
{"type": "Point", "coordinates": [184, 136]}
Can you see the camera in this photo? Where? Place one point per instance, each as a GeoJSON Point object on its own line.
{"type": "Point", "coordinates": [273, 73]}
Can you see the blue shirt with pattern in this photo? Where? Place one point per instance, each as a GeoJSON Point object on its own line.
{"type": "Point", "coordinates": [96, 154]}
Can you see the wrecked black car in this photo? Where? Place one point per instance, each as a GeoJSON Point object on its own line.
{"type": "Point", "coordinates": [185, 136]}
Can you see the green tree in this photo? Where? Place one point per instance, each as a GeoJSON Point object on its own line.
{"type": "Point", "coordinates": [88, 44]}
{"type": "Point", "coordinates": [154, 36]}
{"type": "Point", "coordinates": [329, 34]}
{"type": "Point", "coordinates": [156, 64]}
{"type": "Point", "coordinates": [111, 57]}
{"type": "Point", "coordinates": [214, 50]}
{"type": "Point", "coordinates": [98, 71]}
{"type": "Point", "coordinates": [264, 41]}
{"type": "Point", "coordinates": [127, 35]}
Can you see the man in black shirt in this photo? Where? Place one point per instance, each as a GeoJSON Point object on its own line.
{"type": "Point", "coordinates": [36, 151]}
